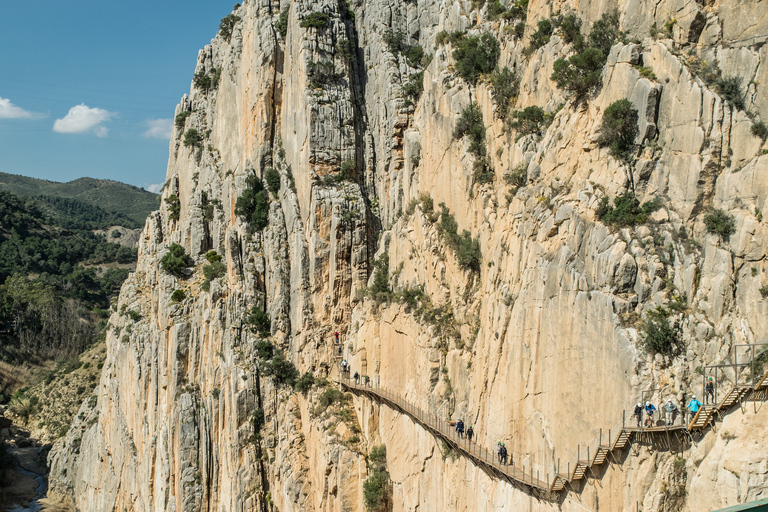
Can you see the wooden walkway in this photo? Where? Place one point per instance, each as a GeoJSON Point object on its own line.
{"type": "Point", "coordinates": [550, 484]}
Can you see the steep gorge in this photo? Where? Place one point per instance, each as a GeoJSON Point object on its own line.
{"type": "Point", "coordinates": [537, 346]}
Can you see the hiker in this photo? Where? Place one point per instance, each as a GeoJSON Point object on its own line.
{"type": "Point", "coordinates": [499, 451]}
{"type": "Point", "coordinates": [670, 411]}
{"type": "Point", "coordinates": [504, 454]}
{"type": "Point", "coordinates": [367, 381]}
{"type": "Point", "coordinates": [649, 410]}
{"type": "Point", "coordinates": [344, 366]}
{"type": "Point", "coordinates": [694, 405]}
{"type": "Point", "coordinates": [638, 413]}
{"type": "Point", "coordinates": [470, 433]}
{"type": "Point", "coordinates": [709, 391]}
{"type": "Point", "coordinates": [336, 335]}
{"type": "Point", "coordinates": [339, 347]}
{"type": "Point", "coordinates": [357, 377]}
{"type": "Point", "coordinates": [460, 428]}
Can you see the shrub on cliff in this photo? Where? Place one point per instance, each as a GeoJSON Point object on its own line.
{"type": "Point", "coordinates": [315, 20]}
{"type": "Point", "coordinates": [174, 206]}
{"type": "Point", "coordinates": [619, 129]}
{"type": "Point", "coordinates": [178, 295]}
{"type": "Point", "coordinates": [541, 36]}
{"type": "Point", "coordinates": [305, 383]}
{"type": "Point", "coordinates": [465, 248]}
{"type": "Point", "coordinates": [656, 334]}
{"type": "Point", "coordinates": [176, 260]}
{"type": "Point", "coordinates": [253, 204]}
{"type": "Point", "coordinates": [413, 88]}
{"type": "Point", "coordinates": [470, 124]}
{"type": "Point", "coordinates": [181, 119]}
{"type": "Point", "coordinates": [321, 74]}
{"type": "Point", "coordinates": [626, 210]}
{"type": "Point", "coordinates": [581, 74]}
{"type": "Point", "coordinates": [505, 86]}
{"type": "Point", "coordinates": [606, 32]}
{"type": "Point", "coordinates": [730, 89]}
{"type": "Point", "coordinates": [272, 177]}
{"type": "Point", "coordinates": [282, 21]}
{"type": "Point", "coordinates": [760, 130]}
{"type": "Point", "coordinates": [193, 138]}
{"type": "Point", "coordinates": [570, 30]}
{"type": "Point", "coordinates": [259, 321]}
{"type": "Point", "coordinates": [379, 290]}
{"type": "Point", "coordinates": [227, 24]}
{"type": "Point", "coordinates": [207, 82]}
{"type": "Point", "coordinates": [720, 223]}
{"type": "Point", "coordinates": [530, 120]}
{"type": "Point", "coordinates": [376, 486]}
{"type": "Point", "coordinates": [280, 369]}
{"type": "Point", "coordinates": [475, 56]}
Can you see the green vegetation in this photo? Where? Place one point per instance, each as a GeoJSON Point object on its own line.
{"type": "Point", "coordinates": [517, 178]}
{"type": "Point", "coordinates": [215, 270]}
{"type": "Point", "coordinates": [764, 291]}
{"type": "Point", "coordinates": [475, 56]}
{"type": "Point", "coordinates": [181, 119]}
{"type": "Point", "coordinates": [413, 88]}
{"type": "Point", "coordinates": [505, 86]}
{"type": "Point", "coordinates": [176, 260]}
{"type": "Point", "coordinates": [280, 369]}
{"type": "Point", "coordinates": [470, 124]}
{"type": "Point", "coordinates": [85, 203]}
{"type": "Point", "coordinates": [544, 31]}
{"type": "Point", "coordinates": [272, 177]}
{"type": "Point", "coordinates": [315, 20]}
{"type": "Point", "coordinates": [581, 74]}
{"type": "Point", "coordinates": [645, 72]}
{"type": "Point", "coordinates": [253, 204]}
{"type": "Point", "coordinates": [321, 74]}
{"type": "Point", "coordinates": [760, 130]}
{"type": "Point", "coordinates": [174, 207]}
{"type": "Point", "coordinates": [259, 321]}
{"type": "Point", "coordinates": [730, 89]}
{"type": "Point", "coordinates": [720, 223]}
{"type": "Point", "coordinates": [305, 383]}
{"type": "Point", "coordinates": [282, 22]}
{"type": "Point", "coordinates": [530, 120]}
{"type": "Point", "coordinates": [178, 295]}
{"type": "Point", "coordinates": [626, 210]}
{"type": "Point", "coordinates": [227, 24]}
{"type": "Point", "coordinates": [380, 291]}
{"type": "Point", "coordinates": [397, 44]}
{"type": "Point", "coordinates": [619, 129]}
{"type": "Point", "coordinates": [570, 30]}
{"type": "Point", "coordinates": [376, 486]}
{"type": "Point", "coordinates": [193, 138]}
{"type": "Point", "coordinates": [656, 334]}
{"type": "Point", "coordinates": [466, 248]}
{"type": "Point", "coordinates": [213, 257]}
{"type": "Point", "coordinates": [207, 81]}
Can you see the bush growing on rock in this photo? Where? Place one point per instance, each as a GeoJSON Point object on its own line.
{"type": "Point", "coordinates": [375, 487]}
{"type": "Point", "coordinates": [544, 31]}
{"type": "Point", "coordinates": [280, 369]}
{"type": "Point", "coordinates": [730, 89]}
{"type": "Point", "coordinates": [570, 30]}
{"type": "Point", "coordinates": [181, 119]}
{"type": "Point", "coordinates": [760, 130]}
{"type": "Point", "coordinates": [379, 290]}
{"type": "Point", "coordinates": [505, 86]}
{"type": "Point", "coordinates": [581, 74]}
{"type": "Point", "coordinates": [626, 210]}
{"type": "Point", "coordinates": [720, 223]}
{"type": "Point", "coordinates": [227, 24]}
{"type": "Point", "coordinates": [470, 124]}
{"type": "Point", "coordinates": [305, 383]}
{"type": "Point", "coordinates": [315, 20]}
{"type": "Point", "coordinates": [176, 260]}
{"type": "Point", "coordinates": [656, 334]}
{"type": "Point", "coordinates": [215, 270]}
{"type": "Point", "coordinates": [606, 32]}
{"type": "Point", "coordinates": [530, 120]}
{"type": "Point", "coordinates": [517, 178]}
{"type": "Point", "coordinates": [321, 74]}
{"type": "Point", "coordinates": [174, 206]}
{"type": "Point", "coordinates": [193, 138]}
{"type": "Point", "coordinates": [397, 44]}
{"type": "Point", "coordinates": [282, 21]}
{"type": "Point", "coordinates": [178, 295]}
{"type": "Point", "coordinates": [466, 249]}
{"type": "Point", "coordinates": [413, 88]}
{"type": "Point", "coordinates": [259, 321]}
{"type": "Point", "coordinates": [619, 129]}
{"type": "Point", "coordinates": [253, 204]}
{"type": "Point", "coordinates": [207, 82]}
{"type": "Point", "coordinates": [272, 177]}
{"type": "Point", "coordinates": [264, 350]}
{"type": "Point", "coordinates": [475, 56]}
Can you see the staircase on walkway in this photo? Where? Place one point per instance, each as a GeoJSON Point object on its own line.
{"type": "Point", "coordinates": [546, 485]}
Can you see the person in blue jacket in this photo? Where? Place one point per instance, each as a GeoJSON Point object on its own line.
{"type": "Point", "coordinates": [694, 405]}
{"type": "Point", "coordinates": [649, 410]}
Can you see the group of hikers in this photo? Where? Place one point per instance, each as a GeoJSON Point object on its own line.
{"type": "Point", "coordinates": [670, 409]}
{"type": "Point", "coordinates": [501, 448]}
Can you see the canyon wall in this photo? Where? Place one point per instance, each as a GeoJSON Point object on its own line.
{"type": "Point", "coordinates": [537, 343]}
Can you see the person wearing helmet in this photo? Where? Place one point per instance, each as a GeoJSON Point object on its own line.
{"type": "Point", "coordinates": [638, 414]}
{"type": "Point", "coordinates": [649, 410]}
{"type": "Point", "coordinates": [694, 405]}
{"type": "Point", "coordinates": [709, 391]}
{"type": "Point", "coordinates": [470, 433]}
{"type": "Point", "coordinates": [670, 411]}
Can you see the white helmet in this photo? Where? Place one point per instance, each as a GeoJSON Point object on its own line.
{"type": "Point", "coordinates": [647, 403]}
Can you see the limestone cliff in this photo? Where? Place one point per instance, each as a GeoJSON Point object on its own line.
{"type": "Point", "coordinates": [536, 343]}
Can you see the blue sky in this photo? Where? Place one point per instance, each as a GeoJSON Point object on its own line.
{"type": "Point", "coordinates": [88, 88]}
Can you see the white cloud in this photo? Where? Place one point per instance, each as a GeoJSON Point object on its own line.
{"type": "Point", "coordinates": [82, 119]}
{"type": "Point", "coordinates": [159, 128]}
{"type": "Point", "coordinates": [10, 111]}
{"type": "Point", "coordinates": [156, 188]}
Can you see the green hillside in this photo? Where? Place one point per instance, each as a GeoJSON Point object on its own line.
{"type": "Point", "coordinates": [115, 202]}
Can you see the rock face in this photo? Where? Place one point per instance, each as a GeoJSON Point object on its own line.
{"type": "Point", "coordinates": [536, 344]}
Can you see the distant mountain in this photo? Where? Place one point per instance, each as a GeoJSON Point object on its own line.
{"type": "Point", "coordinates": [86, 200]}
